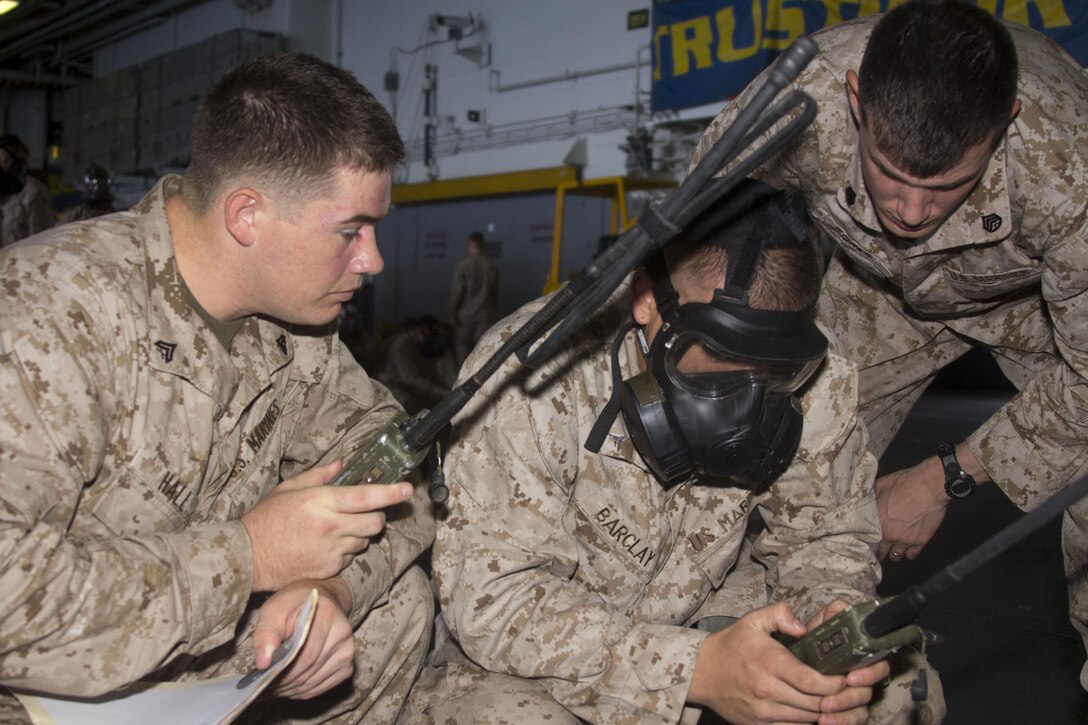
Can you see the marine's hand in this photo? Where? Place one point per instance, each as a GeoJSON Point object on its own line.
{"type": "Point", "coordinates": [911, 503]}
{"type": "Point", "coordinates": [327, 657]}
{"type": "Point", "coordinates": [852, 704]}
{"type": "Point", "coordinates": [826, 613]}
{"type": "Point", "coordinates": [305, 529]}
{"type": "Point", "coordinates": [747, 677]}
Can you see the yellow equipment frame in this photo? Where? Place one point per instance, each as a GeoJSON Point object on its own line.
{"type": "Point", "coordinates": [565, 180]}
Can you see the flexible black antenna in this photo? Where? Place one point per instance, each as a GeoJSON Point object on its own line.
{"type": "Point", "coordinates": [904, 609]}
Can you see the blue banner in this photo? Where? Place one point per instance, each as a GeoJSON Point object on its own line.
{"type": "Point", "coordinates": [708, 50]}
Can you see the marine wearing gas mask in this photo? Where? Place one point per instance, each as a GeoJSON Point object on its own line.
{"type": "Point", "coordinates": [718, 398]}
{"type": "Point", "coordinates": [97, 187]}
{"type": "Point", "coordinates": [97, 190]}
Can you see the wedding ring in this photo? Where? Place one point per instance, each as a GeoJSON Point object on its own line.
{"type": "Point", "coordinates": [895, 555]}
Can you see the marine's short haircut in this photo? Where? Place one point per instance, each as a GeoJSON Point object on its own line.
{"type": "Point", "coordinates": [787, 279]}
{"type": "Point", "coordinates": [788, 274]}
{"type": "Point", "coordinates": [288, 120]}
{"type": "Point", "coordinates": [937, 77]}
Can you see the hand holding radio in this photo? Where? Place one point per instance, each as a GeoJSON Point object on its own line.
{"type": "Point", "coordinates": [308, 529]}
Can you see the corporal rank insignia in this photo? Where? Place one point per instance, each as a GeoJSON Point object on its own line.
{"type": "Point", "coordinates": [991, 222]}
{"type": "Point", "coordinates": [166, 349]}
{"type": "Point", "coordinates": [282, 342]}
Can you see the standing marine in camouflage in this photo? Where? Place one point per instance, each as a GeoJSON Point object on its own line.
{"type": "Point", "coordinates": [474, 296]}
{"type": "Point", "coordinates": [591, 585]}
{"type": "Point", "coordinates": [26, 206]}
{"type": "Point", "coordinates": [950, 169]}
{"type": "Point", "coordinates": [174, 398]}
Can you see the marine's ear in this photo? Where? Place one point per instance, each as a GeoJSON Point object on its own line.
{"type": "Point", "coordinates": [643, 304]}
{"type": "Point", "coordinates": [853, 97]}
{"type": "Point", "coordinates": [242, 212]}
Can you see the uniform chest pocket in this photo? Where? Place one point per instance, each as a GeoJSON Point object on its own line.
{"type": "Point", "coordinates": [715, 540]}
{"type": "Point", "coordinates": [863, 257]}
{"type": "Point", "coordinates": [992, 285]}
{"type": "Point", "coordinates": [715, 558]}
{"type": "Point", "coordinates": [131, 507]}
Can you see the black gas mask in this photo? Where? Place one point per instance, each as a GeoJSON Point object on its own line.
{"type": "Point", "coordinates": [718, 398]}
{"type": "Point", "coordinates": [97, 186]}
{"type": "Point", "coordinates": [13, 178]}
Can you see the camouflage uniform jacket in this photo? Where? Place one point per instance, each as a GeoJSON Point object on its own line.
{"type": "Point", "coordinates": [132, 442]}
{"type": "Point", "coordinates": [475, 292]}
{"type": "Point", "coordinates": [1017, 244]}
{"type": "Point", "coordinates": [25, 214]}
{"type": "Point", "coordinates": [582, 570]}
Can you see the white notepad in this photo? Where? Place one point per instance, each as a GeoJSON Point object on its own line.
{"type": "Point", "coordinates": [215, 701]}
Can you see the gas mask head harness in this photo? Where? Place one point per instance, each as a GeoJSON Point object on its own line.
{"type": "Point", "coordinates": [718, 398]}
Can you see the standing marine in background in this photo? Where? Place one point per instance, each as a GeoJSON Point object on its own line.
{"type": "Point", "coordinates": [474, 297]}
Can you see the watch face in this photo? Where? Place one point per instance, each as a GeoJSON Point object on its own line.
{"type": "Point", "coordinates": [959, 486]}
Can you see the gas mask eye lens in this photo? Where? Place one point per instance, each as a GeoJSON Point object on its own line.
{"type": "Point", "coordinates": [691, 356]}
{"type": "Point", "coordinates": [701, 371]}
{"type": "Point", "coordinates": [702, 366]}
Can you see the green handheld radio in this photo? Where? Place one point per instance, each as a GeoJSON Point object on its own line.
{"type": "Point", "coordinates": [404, 442]}
{"type": "Point", "coordinates": [842, 643]}
{"type": "Point", "coordinates": [867, 632]}
{"type": "Point", "coordinates": [387, 459]}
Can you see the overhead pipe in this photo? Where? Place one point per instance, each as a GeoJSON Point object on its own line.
{"type": "Point", "coordinates": [131, 23]}
{"type": "Point", "coordinates": [58, 21]}
{"type": "Point", "coordinates": [565, 76]}
{"type": "Point", "coordinates": [75, 21]}
{"type": "Point", "coordinates": [30, 25]}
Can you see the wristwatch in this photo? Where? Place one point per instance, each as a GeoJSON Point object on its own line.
{"type": "Point", "coordinates": [957, 482]}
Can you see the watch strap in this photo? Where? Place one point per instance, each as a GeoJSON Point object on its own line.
{"type": "Point", "coordinates": [957, 482]}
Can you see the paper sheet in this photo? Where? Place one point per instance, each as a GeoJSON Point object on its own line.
{"type": "Point", "coordinates": [203, 702]}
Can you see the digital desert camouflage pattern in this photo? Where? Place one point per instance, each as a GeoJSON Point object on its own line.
{"type": "Point", "coordinates": [581, 575]}
{"type": "Point", "coordinates": [131, 442]}
{"type": "Point", "coordinates": [474, 298]}
{"type": "Point", "coordinates": [25, 214]}
{"type": "Point", "coordinates": [1006, 270]}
